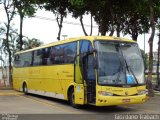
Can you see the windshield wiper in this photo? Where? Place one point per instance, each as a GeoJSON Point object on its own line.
{"type": "Point", "coordinates": [129, 69]}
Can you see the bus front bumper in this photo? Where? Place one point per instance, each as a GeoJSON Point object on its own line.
{"type": "Point", "coordinates": [120, 100]}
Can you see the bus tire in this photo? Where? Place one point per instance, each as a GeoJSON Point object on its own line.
{"type": "Point", "coordinates": [71, 99]}
{"type": "Point", "coordinates": [25, 89]}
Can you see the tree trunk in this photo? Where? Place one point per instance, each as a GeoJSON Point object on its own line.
{"type": "Point", "coordinates": [149, 79]}
{"type": "Point", "coordinates": [103, 32]}
{"type": "Point", "coordinates": [158, 60]}
{"type": "Point", "coordinates": [9, 54]}
{"type": "Point", "coordinates": [3, 66]}
{"type": "Point", "coordinates": [112, 32]}
{"type": "Point", "coordinates": [20, 35]}
{"type": "Point", "coordinates": [81, 21]}
{"type": "Point", "coordinates": [103, 25]}
{"type": "Point", "coordinates": [3, 76]}
{"type": "Point", "coordinates": [60, 22]}
{"type": "Point", "coordinates": [104, 18]}
{"type": "Point", "coordinates": [10, 15]}
{"type": "Point", "coordinates": [134, 36]}
{"type": "Point", "coordinates": [118, 23]}
{"type": "Point", "coordinates": [118, 30]}
{"type": "Point", "coordinates": [134, 33]}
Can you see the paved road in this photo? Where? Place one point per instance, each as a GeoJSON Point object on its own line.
{"type": "Point", "coordinates": [31, 107]}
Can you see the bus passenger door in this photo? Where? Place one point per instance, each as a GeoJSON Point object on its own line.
{"type": "Point", "coordinates": [78, 85]}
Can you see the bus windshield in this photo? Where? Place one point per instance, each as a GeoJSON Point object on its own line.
{"type": "Point", "coordinates": [119, 63]}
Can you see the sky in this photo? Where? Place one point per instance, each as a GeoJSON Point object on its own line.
{"type": "Point", "coordinates": [47, 30]}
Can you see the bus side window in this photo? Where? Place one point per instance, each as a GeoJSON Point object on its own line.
{"type": "Point", "coordinates": [60, 55]}
{"type": "Point", "coordinates": [51, 56]}
{"type": "Point", "coordinates": [69, 52]}
{"type": "Point", "coordinates": [17, 61]}
{"type": "Point", "coordinates": [45, 56]}
{"type": "Point", "coordinates": [63, 54]}
{"type": "Point", "coordinates": [32, 58]}
{"type": "Point", "coordinates": [37, 58]}
{"type": "Point", "coordinates": [21, 61]}
{"type": "Point", "coordinates": [55, 55]}
{"type": "Point", "coordinates": [25, 59]}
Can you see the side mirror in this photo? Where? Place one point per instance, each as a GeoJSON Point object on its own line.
{"type": "Point", "coordinates": [89, 52]}
{"type": "Point", "coordinates": [85, 54]}
{"type": "Point", "coordinates": [94, 61]}
{"type": "Point", "coordinates": [94, 50]}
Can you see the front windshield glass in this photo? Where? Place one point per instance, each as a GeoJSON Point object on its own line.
{"type": "Point", "coordinates": [119, 63]}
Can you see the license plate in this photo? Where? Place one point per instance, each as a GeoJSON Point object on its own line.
{"type": "Point", "coordinates": [126, 100]}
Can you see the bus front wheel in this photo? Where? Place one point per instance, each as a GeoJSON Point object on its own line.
{"type": "Point", "coordinates": [72, 99]}
{"type": "Point", "coordinates": [25, 89]}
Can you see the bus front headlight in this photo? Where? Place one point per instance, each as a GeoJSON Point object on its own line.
{"type": "Point", "coordinates": [142, 92]}
{"type": "Point", "coordinates": [104, 93]}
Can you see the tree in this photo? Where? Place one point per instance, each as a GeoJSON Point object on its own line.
{"type": "Point", "coordinates": [11, 40]}
{"type": "Point", "coordinates": [24, 8]}
{"type": "Point", "coordinates": [31, 43]}
{"type": "Point", "coordinates": [104, 17]}
{"type": "Point", "coordinates": [150, 41]}
{"type": "Point", "coordinates": [59, 8]}
{"type": "Point", "coordinates": [80, 8]}
{"type": "Point", "coordinates": [1, 52]}
{"type": "Point", "coordinates": [157, 11]}
{"type": "Point", "coordinates": [3, 49]}
{"type": "Point", "coordinates": [136, 20]}
{"type": "Point", "coordinates": [10, 12]}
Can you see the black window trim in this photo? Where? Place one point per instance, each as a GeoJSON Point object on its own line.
{"type": "Point", "coordinates": [49, 64]}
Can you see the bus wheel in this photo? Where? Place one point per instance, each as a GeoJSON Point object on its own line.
{"type": "Point", "coordinates": [25, 89]}
{"type": "Point", "coordinates": [71, 99]}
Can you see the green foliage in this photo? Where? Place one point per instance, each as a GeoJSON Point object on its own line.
{"type": "Point", "coordinates": [57, 6]}
{"type": "Point", "coordinates": [31, 43]}
{"type": "Point", "coordinates": [126, 16]}
{"type": "Point", "coordinates": [117, 15]}
{"type": "Point", "coordinates": [11, 39]}
{"type": "Point", "coordinates": [78, 3]}
{"type": "Point", "coordinates": [25, 8]}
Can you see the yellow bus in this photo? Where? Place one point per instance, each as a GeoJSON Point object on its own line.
{"type": "Point", "coordinates": [96, 70]}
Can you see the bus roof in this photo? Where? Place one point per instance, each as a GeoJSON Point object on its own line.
{"type": "Point", "coordinates": [91, 38]}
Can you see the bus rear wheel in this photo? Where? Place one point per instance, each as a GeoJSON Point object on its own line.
{"type": "Point", "coordinates": [72, 99]}
{"type": "Point", "coordinates": [25, 89]}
